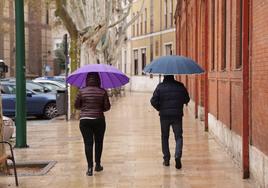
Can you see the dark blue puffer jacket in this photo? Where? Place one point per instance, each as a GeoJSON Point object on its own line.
{"type": "Point", "coordinates": [169, 98]}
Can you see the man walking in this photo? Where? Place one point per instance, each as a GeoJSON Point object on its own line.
{"type": "Point", "coordinates": [169, 98]}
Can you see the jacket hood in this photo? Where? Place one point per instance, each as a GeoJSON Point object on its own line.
{"type": "Point", "coordinates": [168, 78]}
{"type": "Point", "coordinates": [93, 79]}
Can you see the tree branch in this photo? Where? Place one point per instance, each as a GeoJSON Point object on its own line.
{"type": "Point", "coordinates": [66, 19]}
{"type": "Point", "coordinates": [135, 17]}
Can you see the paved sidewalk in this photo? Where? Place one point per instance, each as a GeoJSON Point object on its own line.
{"type": "Point", "coordinates": [132, 155]}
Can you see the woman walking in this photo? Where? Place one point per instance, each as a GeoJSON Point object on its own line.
{"type": "Point", "coordinates": [92, 101]}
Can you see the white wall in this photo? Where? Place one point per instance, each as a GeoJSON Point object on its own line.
{"type": "Point", "coordinates": [258, 161]}
{"type": "Point", "coordinates": [143, 83]}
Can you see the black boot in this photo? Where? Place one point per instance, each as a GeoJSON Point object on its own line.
{"type": "Point", "coordinates": [166, 163]}
{"type": "Point", "coordinates": [98, 168]}
{"type": "Point", "coordinates": [90, 171]}
{"type": "Point", "coordinates": [178, 163]}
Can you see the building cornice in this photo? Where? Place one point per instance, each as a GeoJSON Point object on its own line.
{"type": "Point", "coordinates": [153, 34]}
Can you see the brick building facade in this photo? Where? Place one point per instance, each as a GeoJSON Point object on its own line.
{"type": "Point", "coordinates": [211, 32]}
{"type": "Point", "coordinates": [37, 37]}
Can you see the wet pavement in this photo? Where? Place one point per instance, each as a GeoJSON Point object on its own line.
{"type": "Point", "coordinates": [132, 154]}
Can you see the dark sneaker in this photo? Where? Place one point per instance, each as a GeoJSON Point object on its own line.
{"type": "Point", "coordinates": [89, 172]}
{"type": "Point", "coordinates": [178, 163]}
{"type": "Point", "coordinates": [98, 168]}
{"type": "Point", "coordinates": [166, 163]}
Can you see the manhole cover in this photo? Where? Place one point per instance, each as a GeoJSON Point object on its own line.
{"type": "Point", "coordinates": [38, 168]}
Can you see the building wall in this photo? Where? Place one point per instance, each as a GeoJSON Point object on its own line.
{"type": "Point", "coordinates": [259, 75]}
{"type": "Point", "coordinates": [224, 79]}
{"type": "Point", "coordinates": [37, 37]}
{"type": "Point", "coordinates": [154, 31]}
{"type": "Point", "coordinates": [225, 73]}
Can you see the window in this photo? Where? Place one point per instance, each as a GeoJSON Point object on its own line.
{"type": "Point", "coordinates": [171, 13]}
{"type": "Point", "coordinates": [35, 87]}
{"type": "Point", "coordinates": [136, 68]}
{"type": "Point", "coordinates": [8, 89]}
{"type": "Point", "coordinates": [133, 26]}
{"type": "Point", "coordinates": [213, 30]}
{"type": "Point", "coordinates": [47, 16]}
{"type": "Point", "coordinates": [151, 18]}
{"type": "Point", "coordinates": [156, 48]}
{"type": "Point", "coordinates": [141, 20]}
{"type": "Point", "coordinates": [143, 58]}
{"type": "Point", "coordinates": [238, 59]}
{"type": "Point", "coordinates": [151, 52]}
{"type": "Point", "coordinates": [165, 13]}
{"type": "Point", "coordinates": [224, 50]}
{"type": "Point", "coordinates": [137, 22]}
{"type": "Point", "coordinates": [145, 21]}
{"type": "Point", "coordinates": [51, 86]}
{"type": "Point", "coordinates": [168, 48]}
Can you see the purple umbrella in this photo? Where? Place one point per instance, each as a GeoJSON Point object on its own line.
{"type": "Point", "coordinates": [110, 76]}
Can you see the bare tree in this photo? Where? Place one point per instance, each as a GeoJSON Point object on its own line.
{"type": "Point", "coordinates": [2, 31]}
{"type": "Point", "coordinates": [100, 25]}
{"type": "Point", "coordinates": [97, 29]}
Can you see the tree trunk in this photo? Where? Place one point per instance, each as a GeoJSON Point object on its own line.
{"type": "Point", "coordinates": [73, 32]}
{"type": "Point", "coordinates": [88, 55]}
{"type": "Point", "coordinates": [2, 148]}
{"type": "Point", "coordinates": [74, 51]}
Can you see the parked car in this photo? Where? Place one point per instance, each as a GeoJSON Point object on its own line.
{"type": "Point", "coordinates": [39, 88]}
{"type": "Point", "coordinates": [30, 85]}
{"type": "Point", "coordinates": [37, 103]}
{"type": "Point", "coordinates": [8, 128]}
{"type": "Point", "coordinates": [51, 84]}
{"type": "Point", "coordinates": [60, 78]}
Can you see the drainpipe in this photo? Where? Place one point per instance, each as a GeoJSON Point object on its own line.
{"type": "Point", "coordinates": [206, 66]}
{"type": "Point", "coordinates": [176, 39]}
{"type": "Point", "coordinates": [245, 63]}
{"type": "Point", "coordinates": [196, 58]}
{"type": "Point", "coordinates": [186, 45]}
{"type": "Point", "coordinates": [179, 46]}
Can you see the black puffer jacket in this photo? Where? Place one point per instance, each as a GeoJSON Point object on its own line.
{"type": "Point", "coordinates": [92, 100]}
{"type": "Point", "coordinates": [169, 98]}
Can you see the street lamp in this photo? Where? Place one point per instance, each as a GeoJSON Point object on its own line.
{"type": "Point", "coordinates": [21, 136]}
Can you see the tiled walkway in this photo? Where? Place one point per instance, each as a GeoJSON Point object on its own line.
{"type": "Point", "coordinates": [132, 153]}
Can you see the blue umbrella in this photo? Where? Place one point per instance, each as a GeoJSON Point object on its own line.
{"type": "Point", "coordinates": [172, 64]}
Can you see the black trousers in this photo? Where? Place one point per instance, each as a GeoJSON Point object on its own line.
{"type": "Point", "coordinates": [177, 130]}
{"type": "Point", "coordinates": [92, 131]}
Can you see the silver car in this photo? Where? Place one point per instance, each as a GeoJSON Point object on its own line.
{"type": "Point", "coordinates": [51, 84]}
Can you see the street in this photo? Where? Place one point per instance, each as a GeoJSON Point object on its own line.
{"type": "Point", "coordinates": [132, 154]}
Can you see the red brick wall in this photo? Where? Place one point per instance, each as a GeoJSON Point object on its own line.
{"type": "Point", "coordinates": [225, 83]}
{"type": "Point", "coordinates": [224, 102]}
{"type": "Point", "coordinates": [236, 107]}
{"type": "Point", "coordinates": [212, 95]}
{"type": "Point", "coordinates": [224, 43]}
{"type": "Point", "coordinates": [34, 61]}
{"type": "Point", "coordinates": [225, 89]}
{"type": "Point", "coordinates": [201, 51]}
{"type": "Point", "coordinates": [259, 75]}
